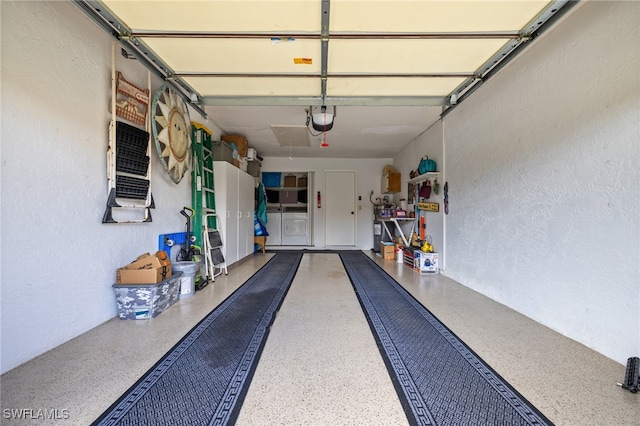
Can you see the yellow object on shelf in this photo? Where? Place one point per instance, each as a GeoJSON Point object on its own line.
{"type": "Point", "coordinates": [426, 246]}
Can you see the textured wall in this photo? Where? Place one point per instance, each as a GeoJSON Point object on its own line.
{"type": "Point", "coordinates": [542, 164]}
{"type": "Point", "coordinates": [58, 259]}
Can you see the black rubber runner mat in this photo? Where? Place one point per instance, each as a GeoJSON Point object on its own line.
{"type": "Point", "coordinates": [204, 378]}
{"type": "Point", "coordinates": [438, 378]}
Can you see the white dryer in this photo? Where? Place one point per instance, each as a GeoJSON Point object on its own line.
{"type": "Point", "coordinates": [295, 229]}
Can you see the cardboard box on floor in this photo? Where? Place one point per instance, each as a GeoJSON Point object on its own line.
{"type": "Point", "coordinates": [146, 269]}
{"type": "Point", "coordinates": [386, 250]}
{"type": "Point", "coordinates": [426, 262]}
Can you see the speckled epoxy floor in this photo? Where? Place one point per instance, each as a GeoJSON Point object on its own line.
{"type": "Point", "coordinates": [320, 364]}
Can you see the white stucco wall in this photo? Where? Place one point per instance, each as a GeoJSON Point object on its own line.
{"type": "Point", "coordinates": [58, 259]}
{"type": "Point", "coordinates": [368, 173]}
{"type": "Point", "coordinates": [543, 171]}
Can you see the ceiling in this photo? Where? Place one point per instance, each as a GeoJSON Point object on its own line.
{"type": "Point", "coordinates": [389, 68]}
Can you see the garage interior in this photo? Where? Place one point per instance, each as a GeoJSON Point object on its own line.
{"type": "Point", "coordinates": [530, 109]}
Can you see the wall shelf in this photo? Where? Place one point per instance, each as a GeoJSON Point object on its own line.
{"type": "Point", "coordinates": [396, 221]}
{"type": "Point", "coordinates": [424, 176]}
{"type": "Point", "coordinates": [286, 188]}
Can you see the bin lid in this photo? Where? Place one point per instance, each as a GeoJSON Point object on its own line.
{"type": "Point", "coordinates": [185, 266]}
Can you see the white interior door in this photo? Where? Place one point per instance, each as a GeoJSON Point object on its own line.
{"type": "Point", "coordinates": [340, 208]}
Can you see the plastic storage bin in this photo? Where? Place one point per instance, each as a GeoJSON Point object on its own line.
{"type": "Point", "coordinates": [253, 168]}
{"type": "Point", "coordinates": [273, 197]}
{"type": "Point", "coordinates": [288, 197]}
{"type": "Point", "coordinates": [146, 301]}
{"type": "Point", "coordinates": [271, 179]}
{"type": "Point", "coordinates": [222, 151]}
{"type": "Point", "coordinates": [188, 278]}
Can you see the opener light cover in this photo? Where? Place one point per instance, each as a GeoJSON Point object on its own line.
{"type": "Point", "coordinates": [322, 121]}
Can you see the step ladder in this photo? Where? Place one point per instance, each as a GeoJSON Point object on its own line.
{"type": "Point", "coordinates": [205, 223]}
{"type": "Point", "coordinates": [213, 257]}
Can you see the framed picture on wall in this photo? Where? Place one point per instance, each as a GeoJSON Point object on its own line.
{"type": "Point", "coordinates": [410, 191]}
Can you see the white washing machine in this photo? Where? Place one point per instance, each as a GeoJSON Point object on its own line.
{"type": "Point", "coordinates": [295, 229]}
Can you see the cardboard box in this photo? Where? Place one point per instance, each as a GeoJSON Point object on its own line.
{"type": "Point", "coordinates": [386, 251]}
{"type": "Point", "coordinates": [426, 262]}
{"type": "Point", "coordinates": [240, 141]}
{"type": "Point", "coordinates": [146, 269]}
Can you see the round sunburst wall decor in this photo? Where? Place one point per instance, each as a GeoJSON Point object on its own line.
{"type": "Point", "coordinates": [172, 131]}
